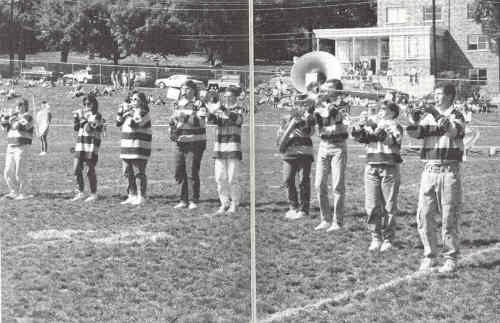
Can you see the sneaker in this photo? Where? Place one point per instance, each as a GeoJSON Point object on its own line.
{"type": "Point", "coordinates": [11, 195]}
{"type": "Point", "coordinates": [322, 225]}
{"type": "Point", "coordinates": [375, 245]}
{"type": "Point", "coordinates": [290, 214]}
{"type": "Point", "coordinates": [91, 198]}
{"type": "Point", "coordinates": [181, 205]}
{"type": "Point", "coordinates": [334, 227]}
{"type": "Point", "coordinates": [21, 196]}
{"type": "Point", "coordinates": [449, 266]}
{"type": "Point", "coordinates": [129, 199]}
{"type": "Point", "coordinates": [427, 264]}
{"type": "Point", "coordinates": [43, 153]}
{"type": "Point", "coordinates": [297, 215]}
{"type": "Point", "coordinates": [231, 210]}
{"type": "Point", "coordinates": [78, 196]}
{"type": "Point", "coordinates": [192, 206]}
{"type": "Point", "coordinates": [138, 200]}
{"type": "Point", "coordinates": [386, 245]}
{"type": "Point", "coordinates": [221, 210]}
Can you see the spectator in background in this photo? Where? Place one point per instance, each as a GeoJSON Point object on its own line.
{"type": "Point", "coordinates": [389, 76]}
{"type": "Point", "coordinates": [43, 119]}
{"type": "Point", "coordinates": [131, 79]}
{"type": "Point", "coordinates": [125, 80]}
{"type": "Point", "coordinates": [113, 78]}
{"type": "Point", "coordinates": [413, 73]}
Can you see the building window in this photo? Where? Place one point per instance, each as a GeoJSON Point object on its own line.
{"type": "Point", "coordinates": [470, 11]}
{"type": "Point", "coordinates": [477, 42]}
{"type": "Point", "coordinates": [479, 75]}
{"type": "Point", "coordinates": [428, 13]}
{"type": "Point", "coordinates": [396, 15]}
{"type": "Point", "coordinates": [418, 47]}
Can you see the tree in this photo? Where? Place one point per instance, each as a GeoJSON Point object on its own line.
{"type": "Point", "coordinates": [57, 23]}
{"type": "Point", "coordinates": [487, 13]}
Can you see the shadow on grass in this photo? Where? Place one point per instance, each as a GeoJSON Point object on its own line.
{"type": "Point", "coordinates": [479, 242]}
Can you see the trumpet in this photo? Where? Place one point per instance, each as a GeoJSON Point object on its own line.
{"type": "Point", "coordinates": [417, 110]}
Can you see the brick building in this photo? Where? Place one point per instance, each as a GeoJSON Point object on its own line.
{"type": "Point", "coordinates": [402, 39]}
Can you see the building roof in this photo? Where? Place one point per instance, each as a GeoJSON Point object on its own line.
{"type": "Point", "coordinates": [367, 32]}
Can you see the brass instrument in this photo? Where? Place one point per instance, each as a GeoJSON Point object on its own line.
{"type": "Point", "coordinates": [316, 67]}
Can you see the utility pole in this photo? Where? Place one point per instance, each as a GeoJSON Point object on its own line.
{"type": "Point", "coordinates": [434, 40]}
{"type": "Point", "coordinates": [11, 39]}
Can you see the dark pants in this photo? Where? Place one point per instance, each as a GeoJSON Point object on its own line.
{"type": "Point", "coordinates": [187, 169]}
{"type": "Point", "coordinates": [78, 171]}
{"type": "Point", "coordinates": [302, 167]}
{"type": "Point", "coordinates": [43, 138]}
{"type": "Point", "coordinates": [128, 171]}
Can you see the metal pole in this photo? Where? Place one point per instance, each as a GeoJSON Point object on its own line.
{"type": "Point", "coordinates": [434, 41]}
{"type": "Point", "coordinates": [11, 38]}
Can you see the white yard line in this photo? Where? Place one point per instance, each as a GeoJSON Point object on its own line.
{"type": "Point", "coordinates": [347, 295]}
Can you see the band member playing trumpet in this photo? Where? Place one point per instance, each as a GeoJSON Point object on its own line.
{"type": "Point", "coordinates": [296, 146]}
{"type": "Point", "coordinates": [332, 155]}
{"type": "Point", "coordinates": [188, 130]}
{"type": "Point", "coordinates": [227, 116]}
{"type": "Point", "coordinates": [19, 127]}
{"type": "Point", "coordinates": [442, 129]}
{"type": "Point", "coordinates": [136, 136]}
{"type": "Point", "coordinates": [89, 124]}
{"type": "Point", "coordinates": [382, 177]}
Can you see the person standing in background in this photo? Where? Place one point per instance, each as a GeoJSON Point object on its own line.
{"type": "Point", "coordinates": [43, 120]}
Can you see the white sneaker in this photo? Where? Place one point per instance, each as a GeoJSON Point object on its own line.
{"type": "Point", "coordinates": [290, 214]}
{"type": "Point", "coordinates": [192, 206]}
{"type": "Point", "coordinates": [375, 245]}
{"type": "Point", "coordinates": [297, 215]}
{"type": "Point", "coordinates": [129, 199]}
{"type": "Point", "coordinates": [322, 225]}
{"type": "Point", "coordinates": [21, 196]}
{"type": "Point", "coordinates": [11, 195]}
{"type": "Point", "coordinates": [138, 200]}
{"type": "Point", "coordinates": [91, 198]}
{"type": "Point", "coordinates": [181, 205]}
{"type": "Point", "coordinates": [427, 265]}
{"type": "Point", "coordinates": [78, 196]}
{"type": "Point", "coordinates": [231, 210]}
{"type": "Point", "coordinates": [221, 210]}
{"type": "Point", "coordinates": [449, 266]}
{"type": "Point", "coordinates": [334, 227]}
{"type": "Point", "coordinates": [43, 153]}
{"type": "Point", "coordinates": [386, 245]}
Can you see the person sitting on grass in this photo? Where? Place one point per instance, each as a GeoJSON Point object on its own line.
{"type": "Point", "coordinates": [89, 124]}
{"type": "Point", "coordinates": [77, 91]}
{"type": "Point", "coordinates": [382, 174]}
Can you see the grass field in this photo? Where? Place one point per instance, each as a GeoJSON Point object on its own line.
{"type": "Point", "coordinates": [314, 276]}
{"type": "Point", "coordinates": [67, 262]}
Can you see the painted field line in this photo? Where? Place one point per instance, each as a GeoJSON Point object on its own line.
{"type": "Point", "coordinates": [345, 297]}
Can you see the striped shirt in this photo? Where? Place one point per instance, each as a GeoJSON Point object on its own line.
{"type": "Point", "coordinates": [385, 148]}
{"type": "Point", "coordinates": [88, 140]}
{"type": "Point", "coordinates": [20, 130]}
{"type": "Point", "coordinates": [441, 146]}
{"type": "Point", "coordinates": [228, 134]}
{"type": "Point", "coordinates": [190, 124]}
{"type": "Point", "coordinates": [136, 136]}
{"type": "Point", "coordinates": [299, 144]}
{"type": "Point", "coordinates": [331, 128]}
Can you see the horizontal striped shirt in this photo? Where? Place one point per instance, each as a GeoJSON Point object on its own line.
{"type": "Point", "coordinates": [440, 146]}
{"type": "Point", "coordinates": [384, 149]}
{"type": "Point", "coordinates": [88, 140]}
{"type": "Point", "coordinates": [136, 137]}
{"type": "Point", "coordinates": [298, 143]}
{"type": "Point", "coordinates": [331, 129]}
{"type": "Point", "coordinates": [228, 134]}
{"type": "Point", "coordinates": [190, 126]}
{"type": "Point", "coordinates": [20, 130]}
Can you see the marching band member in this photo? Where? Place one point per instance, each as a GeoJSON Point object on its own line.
{"type": "Point", "coordinates": [43, 119]}
{"type": "Point", "coordinates": [227, 149]}
{"type": "Point", "coordinates": [442, 129]}
{"type": "Point", "coordinates": [296, 147]}
{"type": "Point", "coordinates": [188, 130]}
{"type": "Point", "coordinates": [382, 175]}
{"type": "Point", "coordinates": [89, 124]}
{"type": "Point", "coordinates": [135, 122]}
{"type": "Point", "coordinates": [331, 159]}
{"type": "Point", "coordinates": [19, 127]}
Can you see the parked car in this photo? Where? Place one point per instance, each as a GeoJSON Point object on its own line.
{"type": "Point", "coordinates": [39, 72]}
{"type": "Point", "coordinates": [82, 76]}
{"type": "Point", "coordinates": [375, 91]}
{"type": "Point", "coordinates": [225, 81]}
{"type": "Point", "coordinates": [143, 78]}
{"type": "Point", "coordinates": [176, 81]}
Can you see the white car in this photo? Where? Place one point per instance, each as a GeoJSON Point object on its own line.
{"type": "Point", "coordinates": [176, 81]}
{"type": "Point", "coordinates": [82, 76]}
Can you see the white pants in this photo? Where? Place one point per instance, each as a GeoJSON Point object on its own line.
{"type": "Point", "coordinates": [14, 168]}
{"type": "Point", "coordinates": [226, 176]}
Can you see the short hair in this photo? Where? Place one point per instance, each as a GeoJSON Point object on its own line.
{"type": "Point", "coordinates": [23, 103]}
{"type": "Point", "coordinates": [393, 107]}
{"type": "Point", "coordinates": [335, 84]}
{"type": "Point", "coordinates": [233, 90]}
{"type": "Point", "coordinates": [190, 84]}
{"type": "Point", "coordinates": [448, 89]}
{"type": "Point", "coordinates": [91, 99]}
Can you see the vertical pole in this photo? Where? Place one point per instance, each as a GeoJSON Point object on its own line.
{"type": "Point", "coordinates": [434, 40]}
{"type": "Point", "coordinates": [11, 39]}
{"type": "Point", "coordinates": [251, 124]}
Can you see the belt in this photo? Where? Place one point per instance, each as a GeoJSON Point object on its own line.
{"type": "Point", "coordinates": [442, 168]}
